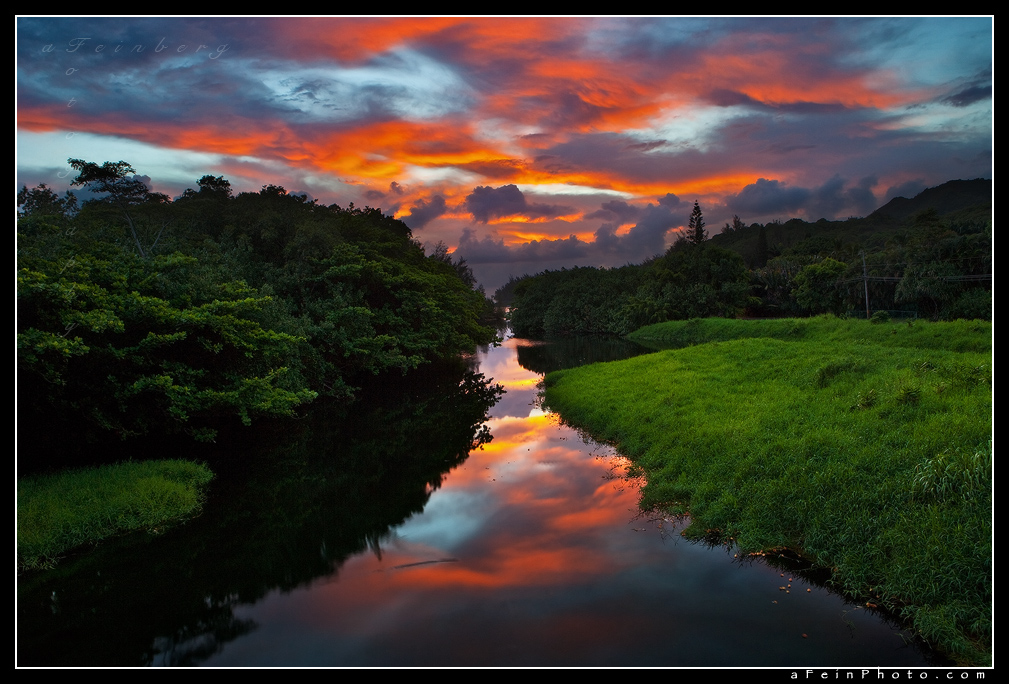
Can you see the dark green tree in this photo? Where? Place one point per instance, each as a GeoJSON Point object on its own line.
{"type": "Point", "coordinates": [126, 193]}
{"type": "Point", "coordinates": [211, 187]}
{"type": "Point", "coordinates": [41, 201]}
{"type": "Point", "coordinates": [737, 224]}
{"type": "Point", "coordinates": [215, 186]}
{"type": "Point", "coordinates": [819, 288]}
{"type": "Point", "coordinates": [695, 229]}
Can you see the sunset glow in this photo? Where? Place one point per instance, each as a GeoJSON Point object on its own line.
{"type": "Point", "coordinates": [439, 120]}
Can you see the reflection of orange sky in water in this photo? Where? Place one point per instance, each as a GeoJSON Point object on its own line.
{"type": "Point", "coordinates": [530, 554]}
{"type": "Point", "coordinates": [507, 373]}
{"type": "Point", "coordinates": [533, 469]}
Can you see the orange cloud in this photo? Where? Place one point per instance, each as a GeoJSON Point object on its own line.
{"type": "Point", "coordinates": [354, 39]}
{"type": "Point", "coordinates": [380, 151]}
{"type": "Point", "coordinates": [513, 237]}
{"type": "Point", "coordinates": [546, 79]}
{"type": "Point", "coordinates": [783, 72]}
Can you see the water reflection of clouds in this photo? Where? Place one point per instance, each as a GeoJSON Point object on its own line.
{"type": "Point", "coordinates": [525, 509]}
{"type": "Point", "coordinates": [517, 404]}
{"type": "Point", "coordinates": [520, 385]}
{"type": "Point", "coordinates": [449, 518]}
{"type": "Point", "coordinates": [530, 546]}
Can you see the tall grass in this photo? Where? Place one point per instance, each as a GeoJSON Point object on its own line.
{"type": "Point", "coordinates": [59, 512]}
{"type": "Point", "coordinates": [867, 448]}
{"type": "Point", "coordinates": [958, 336]}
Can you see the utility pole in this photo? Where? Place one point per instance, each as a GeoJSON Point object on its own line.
{"type": "Point", "coordinates": [865, 282]}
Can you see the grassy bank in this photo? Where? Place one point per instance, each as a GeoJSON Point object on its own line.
{"type": "Point", "coordinates": [864, 447]}
{"type": "Point", "coordinates": [59, 512]}
{"type": "Point", "coordinates": [955, 336]}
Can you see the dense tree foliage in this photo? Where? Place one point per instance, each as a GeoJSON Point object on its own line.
{"type": "Point", "coordinates": [575, 301]}
{"type": "Point", "coordinates": [917, 262]}
{"type": "Point", "coordinates": [41, 202]}
{"type": "Point", "coordinates": [933, 267]}
{"type": "Point", "coordinates": [689, 281]}
{"type": "Point", "coordinates": [141, 315]}
{"type": "Point", "coordinates": [816, 286]}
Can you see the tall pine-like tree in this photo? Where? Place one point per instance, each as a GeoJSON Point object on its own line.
{"type": "Point", "coordinates": [695, 229]}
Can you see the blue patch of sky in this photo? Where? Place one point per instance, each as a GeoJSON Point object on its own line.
{"type": "Point", "coordinates": [47, 163]}
{"type": "Point", "coordinates": [695, 127]}
{"type": "Point", "coordinates": [404, 82]}
{"type": "Point", "coordinates": [925, 51]}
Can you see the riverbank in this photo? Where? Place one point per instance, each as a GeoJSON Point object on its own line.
{"type": "Point", "coordinates": [57, 513]}
{"type": "Point", "coordinates": [864, 447]}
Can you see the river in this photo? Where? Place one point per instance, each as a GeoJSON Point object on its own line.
{"type": "Point", "coordinates": [442, 526]}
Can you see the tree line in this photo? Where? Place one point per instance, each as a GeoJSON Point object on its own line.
{"type": "Point", "coordinates": [142, 315]}
{"type": "Point", "coordinates": [921, 264]}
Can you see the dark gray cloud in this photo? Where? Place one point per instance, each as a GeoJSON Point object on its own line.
{"type": "Point", "coordinates": [647, 237]}
{"type": "Point", "coordinates": [970, 94]}
{"type": "Point", "coordinates": [648, 145]}
{"type": "Point", "coordinates": [836, 198]}
{"type": "Point", "coordinates": [606, 238]}
{"type": "Point", "coordinates": [861, 197]}
{"type": "Point", "coordinates": [810, 107]}
{"type": "Point", "coordinates": [731, 98]}
{"type": "Point", "coordinates": [669, 200]}
{"type": "Point", "coordinates": [827, 200]}
{"type": "Point", "coordinates": [487, 203]}
{"type": "Point", "coordinates": [768, 197]}
{"type": "Point", "coordinates": [394, 188]}
{"type": "Point", "coordinates": [615, 210]}
{"type": "Point", "coordinates": [425, 211]}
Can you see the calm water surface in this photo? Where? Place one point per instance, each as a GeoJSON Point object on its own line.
{"type": "Point", "coordinates": [530, 552]}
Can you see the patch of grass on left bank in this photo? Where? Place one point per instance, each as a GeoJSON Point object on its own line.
{"type": "Point", "coordinates": [59, 512]}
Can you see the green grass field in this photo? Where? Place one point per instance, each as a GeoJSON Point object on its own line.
{"type": "Point", "coordinates": [57, 513]}
{"type": "Point", "coordinates": [864, 447]}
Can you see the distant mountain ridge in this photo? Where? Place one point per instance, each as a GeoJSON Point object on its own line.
{"type": "Point", "coordinates": [961, 203]}
{"type": "Point", "coordinates": [951, 196]}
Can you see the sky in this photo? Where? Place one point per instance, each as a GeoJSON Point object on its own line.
{"type": "Point", "coordinates": [523, 144]}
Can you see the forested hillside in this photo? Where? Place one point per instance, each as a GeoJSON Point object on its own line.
{"type": "Point", "coordinates": [926, 257]}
